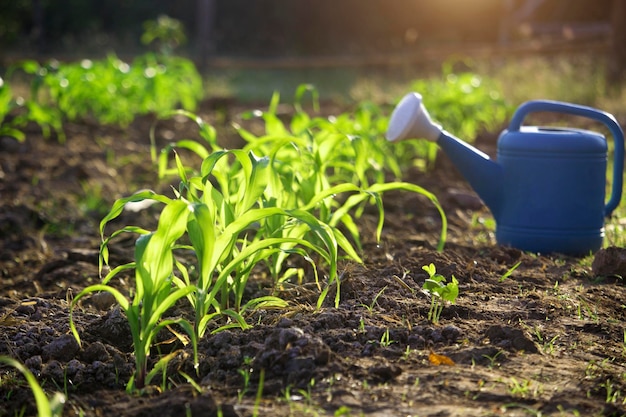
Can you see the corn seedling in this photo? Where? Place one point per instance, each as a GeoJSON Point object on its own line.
{"type": "Point", "coordinates": [216, 225]}
{"type": "Point", "coordinates": [109, 90]}
{"type": "Point", "coordinates": [234, 210]}
{"type": "Point", "coordinates": [154, 292]}
{"type": "Point", "coordinates": [46, 407]}
{"type": "Point", "coordinates": [440, 292]}
{"type": "Point", "coordinates": [259, 393]}
{"type": "Point", "coordinates": [7, 105]}
{"type": "Point", "coordinates": [16, 113]}
{"type": "Point", "coordinates": [245, 373]}
{"type": "Point", "coordinates": [302, 169]}
{"type": "Point", "coordinates": [317, 160]}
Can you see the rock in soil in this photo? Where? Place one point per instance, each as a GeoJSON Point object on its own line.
{"type": "Point", "coordinates": [610, 261]}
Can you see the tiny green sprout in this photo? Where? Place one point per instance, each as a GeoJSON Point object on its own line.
{"type": "Point", "coordinates": [245, 373]}
{"type": "Point", "coordinates": [407, 353]}
{"type": "Point", "coordinates": [492, 359]}
{"type": "Point", "coordinates": [342, 411]}
{"type": "Point", "coordinates": [385, 339]}
{"type": "Point", "coordinates": [509, 272]}
{"type": "Point", "coordinates": [439, 291]}
{"type": "Point", "coordinates": [259, 393]}
{"type": "Point", "coordinates": [361, 325]}
{"type": "Point", "coordinates": [191, 382]}
{"type": "Point", "coordinates": [370, 307]}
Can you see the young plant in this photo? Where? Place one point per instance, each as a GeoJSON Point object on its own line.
{"type": "Point", "coordinates": [235, 209]}
{"type": "Point", "coordinates": [385, 339]}
{"type": "Point", "coordinates": [7, 104]}
{"type": "Point", "coordinates": [509, 272]}
{"type": "Point", "coordinates": [109, 90]}
{"type": "Point", "coordinates": [165, 33]}
{"type": "Point", "coordinates": [217, 214]}
{"type": "Point", "coordinates": [21, 111]}
{"type": "Point", "coordinates": [370, 308]}
{"type": "Point", "coordinates": [317, 160]}
{"type": "Point", "coordinates": [154, 291]}
{"type": "Point", "coordinates": [440, 292]}
{"type": "Point", "coordinates": [310, 176]}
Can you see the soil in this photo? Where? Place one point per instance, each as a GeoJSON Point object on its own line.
{"type": "Point", "coordinates": [548, 339]}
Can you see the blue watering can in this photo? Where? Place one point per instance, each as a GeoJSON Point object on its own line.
{"type": "Point", "coordinates": [546, 190]}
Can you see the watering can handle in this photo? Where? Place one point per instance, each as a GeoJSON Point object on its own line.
{"type": "Point", "coordinates": [591, 113]}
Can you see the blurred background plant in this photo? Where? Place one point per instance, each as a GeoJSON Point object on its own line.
{"type": "Point", "coordinates": [165, 33]}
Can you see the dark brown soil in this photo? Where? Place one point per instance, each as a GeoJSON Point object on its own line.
{"type": "Point", "coordinates": [547, 340]}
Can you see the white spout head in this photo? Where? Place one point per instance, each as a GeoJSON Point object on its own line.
{"type": "Point", "coordinates": [410, 120]}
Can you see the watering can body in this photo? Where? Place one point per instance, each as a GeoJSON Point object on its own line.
{"type": "Point", "coordinates": [546, 188]}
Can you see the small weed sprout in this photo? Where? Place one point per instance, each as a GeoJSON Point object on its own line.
{"type": "Point", "coordinates": [370, 307]}
{"type": "Point", "coordinates": [492, 359]}
{"type": "Point", "coordinates": [440, 291]}
{"type": "Point", "coordinates": [509, 272]}
{"type": "Point", "coordinates": [245, 372]}
{"type": "Point", "coordinates": [385, 339]}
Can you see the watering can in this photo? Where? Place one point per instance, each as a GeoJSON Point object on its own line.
{"type": "Point", "coordinates": [546, 188]}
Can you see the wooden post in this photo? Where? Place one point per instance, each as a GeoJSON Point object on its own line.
{"type": "Point", "coordinates": [616, 63]}
{"type": "Point", "coordinates": [205, 41]}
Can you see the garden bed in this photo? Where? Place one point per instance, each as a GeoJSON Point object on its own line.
{"type": "Point", "coordinates": [546, 338]}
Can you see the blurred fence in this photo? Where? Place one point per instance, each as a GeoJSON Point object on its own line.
{"type": "Point", "coordinates": [317, 33]}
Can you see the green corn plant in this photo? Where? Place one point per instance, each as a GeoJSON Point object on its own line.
{"type": "Point", "coordinates": [234, 209]}
{"type": "Point", "coordinates": [206, 131]}
{"type": "Point", "coordinates": [46, 407]}
{"type": "Point", "coordinates": [7, 105]}
{"type": "Point", "coordinates": [327, 208]}
{"type": "Point", "coordinates": [307, 166]}
{"type": "Point", "coordinates": [154, 292]}
{"type": "Point", "coordinates": [30, 110]}
{"type": "Point", "coordinates": [440, 292]}
{"type": "Point", "coordinates": [331, 151]}
{"type": "Point", "coordinates": [298, 181]}
{"type": "Point", "coordinates": [251, 181]}
{"type": "Point", "coordinates": [216, 222]}
{"type": "Point", "coordinates": [220, 257]}
{"type": "Point", "coordinates": [110, 90]}
{"type": "Point", "coordinates": [366, 157]}
{"type": "Point", "coordinates": [323, 156]}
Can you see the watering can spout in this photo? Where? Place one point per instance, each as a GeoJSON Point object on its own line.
{"type": "Point", "coordinates": [410, 119]}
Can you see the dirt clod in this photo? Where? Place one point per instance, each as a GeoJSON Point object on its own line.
{"type": "Point", "coordinates": [63, 348]}
{"type": "Point", "coordinates": [610, 261]}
